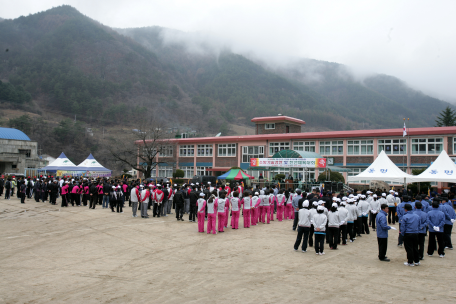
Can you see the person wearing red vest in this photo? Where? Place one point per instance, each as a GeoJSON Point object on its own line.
{"type": "Point", "coordinates": [159, 195]}
{"type": "Point", "coordinates": [145, 196]}
{"type": "Point", "coordinates": [135, 198]}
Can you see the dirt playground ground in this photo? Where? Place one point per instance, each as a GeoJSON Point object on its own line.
{"type": "Point", "coordinates": [76, 255]}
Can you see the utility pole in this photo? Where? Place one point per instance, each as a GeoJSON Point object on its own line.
{"type": "Point", "coordinates": [407, 147]}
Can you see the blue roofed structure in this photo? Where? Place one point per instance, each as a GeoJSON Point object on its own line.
{"type": "Point", "coordinates": [10, 133]}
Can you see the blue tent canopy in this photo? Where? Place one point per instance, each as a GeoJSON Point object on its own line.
{"type": "Point", "coordinates": [61, 163]}
{"type": "Point", "coordinates": [91, 164]}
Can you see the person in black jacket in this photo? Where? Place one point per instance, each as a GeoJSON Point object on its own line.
{"type": "Point", "coordinates": [106, 191]}
{"type": "Point", "coordinates": [37, 190]}
{"type": "Point", "coordinates": [53, 190]}
{"type": "Point", "coordinates": [179, 203]}
{"type": "Point", "coordinates": [22, 190]}
{"type": "Point", "coordinates": [93, 192]}
{"type": "Point", "coordinates": [2, 184]}
{"type": "Point", "coordinates": [194, 196]}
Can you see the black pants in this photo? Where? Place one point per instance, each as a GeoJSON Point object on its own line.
{"type": "Point", "coordinates": [364, 225]}
{"type": "Point", "coordinates": [411, 247]}
{"type": "Point", "coordinates": [157, 209]}
{"type": "Point", "coordinates": [373, 219]}
{"type": "Point", "coordinates": [311, 235]}
{"type": "Point", "coordinates": [7, 193]}
{"type": "Point", "coordinates": [351, 230]}
{"type": "Point", "coordinates": [332, 234]}
{"type": "Point", "coordinates": [392, 215]}
{"type": "Point", "coordinates": [93, 201]}
{"type": "Point", "coordinates": [447, 232]}
{"type": "Point", "coordinates": [100, 199]}
{"type": "Point", "coordinates": [192, 214]}
{"type": "Point", "coordinates": [22, 195]}
{"type": "Point", "coordinates": [64, 200]}
{"type": "Point", "coordinates": [296, 220]}
{"type": "Point", "coordinates": [112, 203]}
{"type": "Point", "coordinates": [421, 239]}
{"type": "Point", "coordinates": [179, 211]}
{"type": "Point", "coordinates": [85, 198]}
{"type": "Point", "coordinates": [53, 198]}
{"type": "Point", "coordinates": [37, 196]}
{"type": "Point", "coordinates": [432, 245]}
{"type": "Point", "coordinates": [400, 238]}
{"type": "Point", "coordinates": [382, 246]}
{"type": "Point", "coordinates": [319, 243]}
{"type": "Point", "coordinates": [303, 234]}
{"type": "Point", "coordinates": [343, 234]}
{"type": "Point", "coordinates": [119, 205]}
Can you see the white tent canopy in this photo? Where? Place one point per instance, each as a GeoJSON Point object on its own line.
{"type": "Point", "coordinates": [443, 169]}
{"type": "Point", "coordinates": [61, 163]}
{"type": "Point", "coordinates": [382, 169]}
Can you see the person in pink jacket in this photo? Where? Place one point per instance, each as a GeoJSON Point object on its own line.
{"type": "Point", "coordinates": [247, 208]}
{"type": "Point", "coordinates": [201, 213]}
{"type": "Point", "coordinates": [212, 204]}
{"type": "Point", "coordinates": [221, 211]}
{"type": "Point", "coordinates": [272, 200]}
{"type": "Point", "coordinates": [280, 204]}
{"type": "Point", "coordinates": [65, 195]}
{"type": "Point", "coordinates": [255, 207]}
{"type": "Point", "coordinates": [235, 210]}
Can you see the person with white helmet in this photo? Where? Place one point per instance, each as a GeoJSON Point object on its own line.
{"type": "Point", "coordinates": [334, 221]}
{"type": "Point", "coordinates": [144, 198]}
{"type": "Point", "coordinates": [375, 209]}
{"type": "Point", "coordinates": [343, 216]}
{"type": "Point", "coordinates": [319, 222]}
{"type": "Point", "coordinates": [363, 208]}
{"type": "Point", "coordinates": [391, 202]}
{"type": "Point", "coordinates": [201, 212]}
{"type": "Point", "coordinates": [255, 208]}
{"type": "Point", "coordinates": [352, 214]}
{"type": "Point", "coordinates": [304, 225]}
{"type": "Point", "coordinates": [313, 211]}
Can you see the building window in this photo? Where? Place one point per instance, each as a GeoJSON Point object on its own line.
{"type": "Point", "coordinates": [392, 146]}
{"type": "Point", "coordinates": [166, 151]}
{"type": "Point", "coordinates": [360, 147]}
{"type": "Point", "coordinates": [427, 145]}
{"type": "Point", "coordinates": [202, 170]}
{"type": "Point", "coordinates": [188, 171]}
{"type": "Point", "coordinates": [308, 146]}
{"type": "Point", "coordinates": [332, 147]}
{"type": "Point", "coordinates": [27, 153]}
{"type": "Point", "coordinates": [269, 126]}
{"type": "Point", "coordinates": [276, 147]}
{"type": "Point", "coordinates": [204, 150]}
{"type": "Point", "coordinates": [227, 150]}
{"type": "Point", "coordinates": [356, 171]}
{"type": "Point", "coordinates": [187, 150]}
{"type": "Point", "coordinates": [165, 172]}
{"type": "Point", "coordinates": [249, 152]}
{"type": "Point", "coordinates": [299, 174]}
{"type": "Point", "coordinates": [13, 166]}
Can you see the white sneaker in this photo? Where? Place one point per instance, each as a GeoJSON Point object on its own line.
{"type": "Point", "coordinates": [304, 251]}
{"type": "Point", "coordinates": [351, 241]}
{"type": "Point", "coordinates": [417, 264]}
{"type": "Point", "coordinates": [429, 254]}
{"type": "Point", "coordinates": [442, 256]}
{"type": "Point", "coordinates": [322, 253]}
{"type": "Point", "coordinates": [407, 264]}
{"type": "Point", "coordinates": [295, 249]}
{"type": "Point", "coordinates": [317, 253]}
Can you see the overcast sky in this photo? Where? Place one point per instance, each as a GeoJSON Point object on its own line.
{"type": "Point", "coordinates": [412, 40]}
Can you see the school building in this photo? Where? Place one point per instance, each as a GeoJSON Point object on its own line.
{"type": "Point", "coordinates": [353, 150]}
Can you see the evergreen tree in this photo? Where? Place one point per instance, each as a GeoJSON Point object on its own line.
{"type": "Point", "coordinates": [446, 118]}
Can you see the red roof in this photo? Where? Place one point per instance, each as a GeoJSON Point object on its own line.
{"type": "Point", "coordinates": [318, 135]}
{"type": "Point", "coordinates": [278, 118]}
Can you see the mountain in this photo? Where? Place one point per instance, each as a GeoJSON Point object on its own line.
{"type": "Point", "coordinates": [64, 62]}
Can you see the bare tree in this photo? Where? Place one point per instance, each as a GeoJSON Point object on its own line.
{"type": "Point", "coordinates": [140, 150]}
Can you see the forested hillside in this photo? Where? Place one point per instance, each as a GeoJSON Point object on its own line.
{"type": "Point", "coordinates": [62, 61]}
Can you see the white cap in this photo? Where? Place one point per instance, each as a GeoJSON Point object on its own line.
{"type": "Point", "coordinates": [350, 196]}
{"type": "Point", "coordinates": [113, 187]}
{"type": "Point", "coordinates": [175, 185]}
{"type": "Point", "coordinates": [305, 203]}
{"type": "Point", "coordinates": [141, 186]}
{"type": "Point", "coordinates": [375, 195]}
{"type": "Point", "coordinates": [158, 185]}
{"type": "Point", "coordinates": [192, 184]}
{"type": "Point", "coordinates": [202, 194]}
{"type": "Point", "coordinates": [321, 202]}
{"type": "Point", "coordinates": [369, 192]}
{"type": "Point", "coordinates": [208, 183]}
{"type": "Point", "coordinates": [334, 205]}
{"type": "Point", "coordinates": [256, 193]}
{"type": "Point", "coordinates": [344, 198]}
{"type": "Point", "coordinates": [320, 208]}
{"type": "Point", "coordinates": [363, 196]}
{"type": "Point", "coordinates": [383, 194]}
{"type": "Point", "coordinates": [396, 193]}
{"type": "Point", "coordinates": [334, 198]}
{"type": "Point", "coordinates": [315, 203]}
{"type": "Point", "coordinates": [359, 195]}
{"type": "Point", "coordinates": [355, 198]}
{"type": "Point", "coordinates": [197, 183]}
{"type": "Point", "coordinates": [350, 200]}
{"type": "Point", "coordinates": [343, 204]}
{"type": "Point", "coordinates": [391, 191]}
{"type": "Point", "coordinates": [262, 192]}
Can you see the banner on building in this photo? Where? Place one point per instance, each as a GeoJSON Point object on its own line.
{"type": "Point", "coordinates": [289, 162]}
{"type": "Point", "coordinates": [84, 173]}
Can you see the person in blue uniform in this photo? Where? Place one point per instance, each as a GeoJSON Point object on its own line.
{"type": "Point", "coordinates": [382, 232]}
{"type": "Point", "coordinates": [435, 223]}
{"type": "Point", "coordinates": [409, 229]}
{"type": "Point", "coordinates": [422, 228]}
{"type": "Point", "coordinates": [450, 217]}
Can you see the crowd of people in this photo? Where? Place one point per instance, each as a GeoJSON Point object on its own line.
{"type": "Point", "coordinates": [319, 217]}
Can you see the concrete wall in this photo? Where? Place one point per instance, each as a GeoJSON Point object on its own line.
{"type": "Point", "coordinates": [10, 155]}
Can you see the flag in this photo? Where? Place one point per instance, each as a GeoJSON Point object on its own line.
{"type": "Point", "coordinates": [404, 131]}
